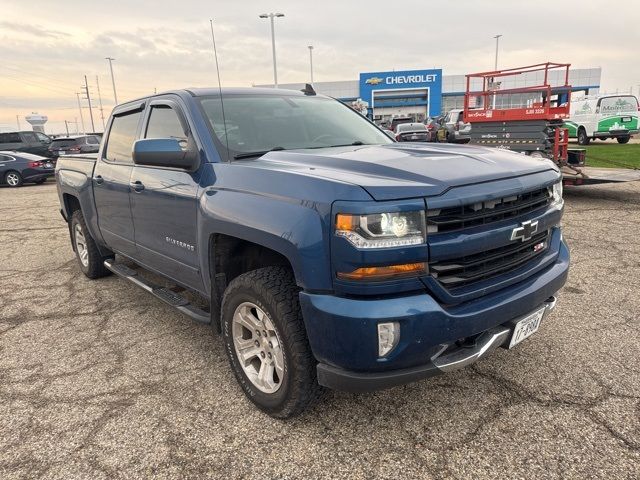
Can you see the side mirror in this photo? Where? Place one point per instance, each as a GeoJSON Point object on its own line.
{"type": "Point", "coordinates": [165, 152]}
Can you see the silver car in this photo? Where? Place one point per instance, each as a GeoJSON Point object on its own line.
{"type": "Point", "coordinates": [454, 129]}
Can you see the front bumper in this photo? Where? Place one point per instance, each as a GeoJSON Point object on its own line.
{"type": "Point", "coordinates": [343, 331]}
{"type": "Point", "coordinates": [460, 357]}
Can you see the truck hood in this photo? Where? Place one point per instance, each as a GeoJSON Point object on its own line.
{"type": "Point", "coordinates": [396, 171]}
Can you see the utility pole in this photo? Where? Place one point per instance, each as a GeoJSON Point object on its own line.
{"type": "Point", "coordinates": [100, 100]}
{"type": "Point", "coordinates": [66, 127]}
{"type": "Point", "coordinates": [495, 66]}
{"type": "Point", "coordinates": [271, 16]}
{"type": "Point", "coordinates": [18, 121]}
{"type": "Point", "coordinates": [113, 82]}
{"type": "Point", "coordinates": [81, 116]}
{"type": "Point", "coordinates": [86, 90]}
{"type": "Point", "coordinates": [310, 47]}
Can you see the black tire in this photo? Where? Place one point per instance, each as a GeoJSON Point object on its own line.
{"type": "Point", "coordinates": [94, 267]}
{"type": "Point", "coordinates": [274, 291]}
{"type": "Point", "coordinates": [624, 139]}
{"type": "Point", "coordinates": [583, 139]}
{"type": "Point", "coordinates": [12, 174]}
{"type": "Point", "coordinates": [40, 182]}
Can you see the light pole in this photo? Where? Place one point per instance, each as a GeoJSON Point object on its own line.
{"type": "Point", "coordinates": [271, 16]}
{"type": "Point", "coordinates": [497, 37]}
{"type": "Point", "coordinates": [310, 47]}
{"type": "Point", "coordinates": [81, 116]}
{"type": "Point", "coordinates": [113, 82]}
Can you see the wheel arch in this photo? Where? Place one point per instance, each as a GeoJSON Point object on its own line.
{"type": "Point", "coordinates": [230, 256]}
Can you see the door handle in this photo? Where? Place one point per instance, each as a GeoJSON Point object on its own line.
{"type": "Point", "coordinates": [137, 186]}
{"type": "Point", "coordinates": [98, 179]}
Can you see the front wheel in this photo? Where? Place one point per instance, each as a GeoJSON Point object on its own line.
{"type": "Point", "coordinates": [267, 344]}
{"type": "Point", "coordinates": [624, 139]}
{"type": "Point", "coordinates": [583, 139]}
{"type": "Point", "coordinates": [87, 253]}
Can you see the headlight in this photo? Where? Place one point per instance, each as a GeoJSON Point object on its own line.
{"type": "Point", "coordinates": [382, 230]}
{"type": "Point", "coordinates": [556, 194]}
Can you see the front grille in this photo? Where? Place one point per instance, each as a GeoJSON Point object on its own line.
{"type": "Point", "coordinates": [482, 213]}
{"type": "Point", "coordinates": [464, 271]}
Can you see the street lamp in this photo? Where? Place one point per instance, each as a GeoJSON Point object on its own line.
{"type": "Point", "coordinates": [113, 82]}
{"type": "Point", "coordinates": [310, 47]}
{"type": "Point", "coordinates": [271, 16]}
{"type": "Point", "coordinates": [497, 37]}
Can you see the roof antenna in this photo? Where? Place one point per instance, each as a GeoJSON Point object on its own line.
{"type": "Point", "coordinates": [224, 120]}
{"type": "Point", "coordinates": [308, 89]}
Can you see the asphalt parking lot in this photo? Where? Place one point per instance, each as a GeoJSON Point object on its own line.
{"type": "Point", "coordinates": [100, 380]}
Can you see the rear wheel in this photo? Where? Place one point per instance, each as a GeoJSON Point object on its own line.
{"type": "Point", "coordinates": [624, 139]}
{"type": "Point", "coordinates": [87, 253]}
{"type": "Point", "coordinates": [583, 139]}
{"type": "Point", "coordinates": [40, 182]}
{"type": "Point", "coordinates": [266, 342]}
{"type": "Point", "coordinates": [13, 179]}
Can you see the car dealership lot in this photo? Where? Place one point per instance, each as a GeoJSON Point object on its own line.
{"type": "Point", "coordinates": [99, 379]}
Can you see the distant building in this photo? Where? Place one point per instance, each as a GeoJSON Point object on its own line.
{"type": "Point", "coordinates": [423, 93]}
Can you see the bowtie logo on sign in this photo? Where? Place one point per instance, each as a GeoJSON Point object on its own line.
{"type": "Point", "coordinates": [374, 80]}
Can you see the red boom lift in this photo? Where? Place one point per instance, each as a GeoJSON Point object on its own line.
{"type": "Point", "coordinates": [529, 118]}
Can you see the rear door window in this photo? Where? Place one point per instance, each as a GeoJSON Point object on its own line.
{"type": "Point", "coordinates": [617, 105]}
{"type": "Point", "coordinates": [124, 129]}
{"type": "Point", "coordinates": [30, 137]}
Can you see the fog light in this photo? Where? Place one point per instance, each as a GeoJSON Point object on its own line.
{"type": "Point", "coordinates": [388, 337]}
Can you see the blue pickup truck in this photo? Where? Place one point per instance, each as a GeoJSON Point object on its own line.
{"type": "Point", "coordinates": [324, 253]}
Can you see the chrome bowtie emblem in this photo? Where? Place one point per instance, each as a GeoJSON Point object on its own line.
{"type": "Point", "coordinates": [525, 231]}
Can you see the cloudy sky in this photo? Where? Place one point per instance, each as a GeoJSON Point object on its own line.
{"type": "Point", "coordinates": [47, 47]}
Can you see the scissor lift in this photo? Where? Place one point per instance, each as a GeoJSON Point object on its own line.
{"type": "Point", "coordinates": [530, 118]}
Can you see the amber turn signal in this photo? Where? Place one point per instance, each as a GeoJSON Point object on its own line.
{"type": "Point", "coordinates": [384, 273]}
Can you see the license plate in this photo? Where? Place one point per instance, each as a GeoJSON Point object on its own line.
{"type": "Point", "coordinates": [526, 327]}
{"type": "Point", "coordinates": [48, 165]}
{"type": "Point", "coordinates": [626, 119]}
{"type": "Point", "coordinates": [61, 152]}
{"type": "Point", "coordinates": [414, 137]}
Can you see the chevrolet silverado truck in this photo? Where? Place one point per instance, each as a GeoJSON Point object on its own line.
{"type": "Point", "coordinates": [325, 254]}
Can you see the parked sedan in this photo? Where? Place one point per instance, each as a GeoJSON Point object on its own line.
{"type": "Point", "coordinates": [17, 168]}
{"type": "Point", "coordinates": [71, 145]}
{"type": "Point", "coordinates": [412, 132]}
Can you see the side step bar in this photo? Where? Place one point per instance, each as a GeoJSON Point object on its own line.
{"type": "Point", "coordinates": [168, 296]}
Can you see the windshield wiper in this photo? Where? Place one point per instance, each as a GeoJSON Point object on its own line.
{"type": "Point", "coordinates": [238, 156]}
{"type": "Point", "coordinates": [356, 143]}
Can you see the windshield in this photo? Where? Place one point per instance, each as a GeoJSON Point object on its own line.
{"type": "Point", "coordinates": [256, 123]}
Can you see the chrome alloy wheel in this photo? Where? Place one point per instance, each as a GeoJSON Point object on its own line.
{"type": "Point", "coordinates": [13, 179]}
{"type": "Point", "coordinates": [81, 245]}
{"type": "Point", "coordinates": [257, 347]}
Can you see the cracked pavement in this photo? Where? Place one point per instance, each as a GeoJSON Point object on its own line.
{"type": "Point", "coordinates": [98, 379]}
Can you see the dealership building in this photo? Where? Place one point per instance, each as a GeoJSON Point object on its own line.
{"type": "Point", "coordinates": [428, 93]}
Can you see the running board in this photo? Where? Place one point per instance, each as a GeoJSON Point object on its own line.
{"type": "Point", "coordinates": [166, 295]}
